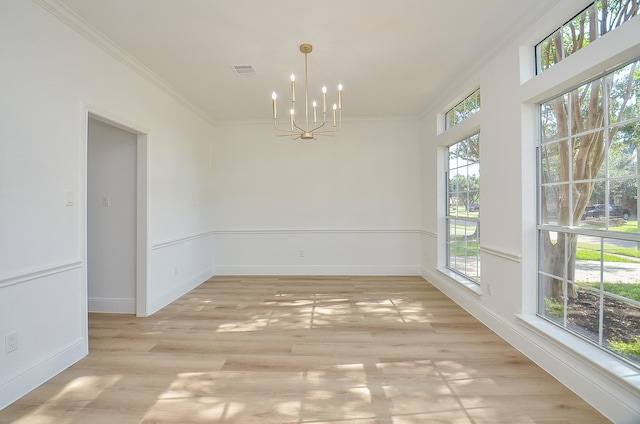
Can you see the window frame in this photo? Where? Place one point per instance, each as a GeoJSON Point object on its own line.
{"type": "Point", "coordinates": [597, 5]}
{"type": "Point", "coordinates": [573, 228]}
{"type": "Point", "coordinates": [449, 219]}
{"type": "Point", "coordinates": [466, 107]}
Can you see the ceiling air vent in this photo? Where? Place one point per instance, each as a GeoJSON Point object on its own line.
{"type": "Point", "coordinates": [244, 70]}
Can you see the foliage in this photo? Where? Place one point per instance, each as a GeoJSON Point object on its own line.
{"type": "Point", "coordinates": [627, 349]}
{"type": "Point", "coordinates": [581, 150]}
{"type": "Point", "coordinates": [626, 227]}
{"type": "Point", "coordinates": [554, 306]}
{"type": "Point", "coordinates": [597, 19]}
{"type": "Point", "coordinates": [464, 248]}
{"type": "Point", "coordinates": [464, 190]}
{"type": "Point", "coordinates": [467, 107]}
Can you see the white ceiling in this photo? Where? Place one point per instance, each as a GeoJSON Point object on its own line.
{"type": "Point", "coordinates": [393, 58]}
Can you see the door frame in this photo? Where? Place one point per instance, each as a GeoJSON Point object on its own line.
{"type": "Point", "coordinates": [142, 204]}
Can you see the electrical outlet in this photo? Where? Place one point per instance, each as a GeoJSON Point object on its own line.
{"type": "Point", "coordinates": [11, 342]}
{"type": "Point", "coordinates": [302, 253]}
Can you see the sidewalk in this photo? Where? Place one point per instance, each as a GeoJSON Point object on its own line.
{"type": "Point", "coordinates": [614, 272]}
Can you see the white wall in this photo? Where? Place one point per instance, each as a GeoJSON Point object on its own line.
{"type": "Point", "coordinates": [507, 125]}
{"type": "Point", "coordinates": [50, 77]}
{"type": "Point", "coordinates": [347, 204]}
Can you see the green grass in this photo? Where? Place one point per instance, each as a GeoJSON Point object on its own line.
{"type": "Point", "coordinates": [590, 255]}
{"type": "Point", "coordinates": [630, 291]}
{"type": "Point", "coordinates": [458, 248]}
{"type": "Point", "coordinates": [629, 349]}
{"type": "Point", "coordinates": [591, 252]}
{"type": "Point", "coordinates": [554, 306]}
{"type": "Point", "coordinates": [627, 227]}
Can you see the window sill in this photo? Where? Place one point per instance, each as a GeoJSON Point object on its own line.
{"type": "Point", "coordinates": [464, 282]}
{"type": "Point", "coordinates": [607, 364]}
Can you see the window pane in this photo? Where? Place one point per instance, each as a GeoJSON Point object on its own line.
{"type": "Point", "coordinates": [621, 266]}
{"type": "Point", "coordinates": [464, 109]}
{"type": "Point", "coordinates": [463, 234]}
{"type": "Point", "coordinates": [615, 13]}
{"type": "Point", "coordinates": [594, 21]}
{"type": "Point", "coordinates": [588, 155]}
{"type": "Point", "coordinates": [622, 339]}
{"type": "Point", "coordinates": [550, 204]}
{"type": "Point", "coordinates": [588, 98]}
{"type": "Point", "coordinates": [583, 313]}
{"type": "Point", "coordinates": [552, 281]}
{"type": "Point", "coordinates": [549, 124]}
{"type": "Point", "coordinates": [624, 86]}
{"type": "Point", "coordinates": [551, 163]}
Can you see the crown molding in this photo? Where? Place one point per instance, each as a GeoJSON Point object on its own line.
{"type": "Point", "coordinates": [82, 27]}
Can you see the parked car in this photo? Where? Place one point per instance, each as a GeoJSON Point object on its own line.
{"type": "Point", "coordinates": [615, 211]}
{"type": "Point", "coordinates": [474, 208]}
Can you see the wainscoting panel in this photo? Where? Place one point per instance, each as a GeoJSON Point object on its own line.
{"type": "Point", "coordinates": [317, 252]}
{"type": "Point", "coordinates": [178, 266]}
{"type": "Point", "coordinates": [44, 346]}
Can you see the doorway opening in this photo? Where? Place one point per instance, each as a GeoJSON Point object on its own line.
{"type": "Point", "coordinates": [116, 217]}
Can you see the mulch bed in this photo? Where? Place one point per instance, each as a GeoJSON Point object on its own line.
{"type": "Point", "coordinates": [621, 320]}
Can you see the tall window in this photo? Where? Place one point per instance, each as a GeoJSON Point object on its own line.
{"type": "Point", "coordinates": [589, 235]}
{"type": "Point", "coordinates": [594, 21]}
{"type": "Point", "coordinates": [463, 212]}
{"type": "Point", "coordinates": [463, 110]}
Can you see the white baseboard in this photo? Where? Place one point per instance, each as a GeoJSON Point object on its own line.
{"type": "Point", "coordinates": [397, 270]}
{"type": "Point", "coordinates": [166, 298]}
{"type": "Point", "coordinates": [113, 306]}
{"type": "Point", "coordinates": [19, 384]}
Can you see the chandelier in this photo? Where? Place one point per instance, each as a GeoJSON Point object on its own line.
{"type": "Point", "coordinates": [310, 128]}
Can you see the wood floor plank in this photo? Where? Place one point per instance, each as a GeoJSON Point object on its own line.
{"type": "Point", "coordinates": [244, 349]}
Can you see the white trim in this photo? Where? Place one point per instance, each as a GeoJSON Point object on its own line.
{"type": "Point", "coordinates": [429, 234]}
{"type": "Point", "coordinates": [180, 240]}
{"type": "Point", "coordinates": [607, 364]}
{"type": "Point", "coordinates": [142, 201]}
{"type": "Point", "coordinates": [159, 302]}
{"type": "Point", "coordinates": [18, 384]}
{"type": "Point", "coordinates": [319, 231]}
{"type": "Point", "coordinates": [501, 254]}
{"type": "Point", "coordinates": [459, 279]}
{"type": "Point", "coordinates": [39, 273]}
{"type": "Point", "coordinates": [393, 270]}
{"type": "Point", "coordinates": [111, 305]}
{"type": "Point", "coordinates": [72, 20]}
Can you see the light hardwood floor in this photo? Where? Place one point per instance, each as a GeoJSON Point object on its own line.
{"type": "Point", "coordinates": [301, 350]}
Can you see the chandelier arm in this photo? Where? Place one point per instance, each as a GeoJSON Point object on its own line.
{"type": "Point", "coordinates": [330, 131]}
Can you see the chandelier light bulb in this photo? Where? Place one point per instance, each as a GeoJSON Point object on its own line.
{"type": "Point", "coordinates": [274, 96]}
